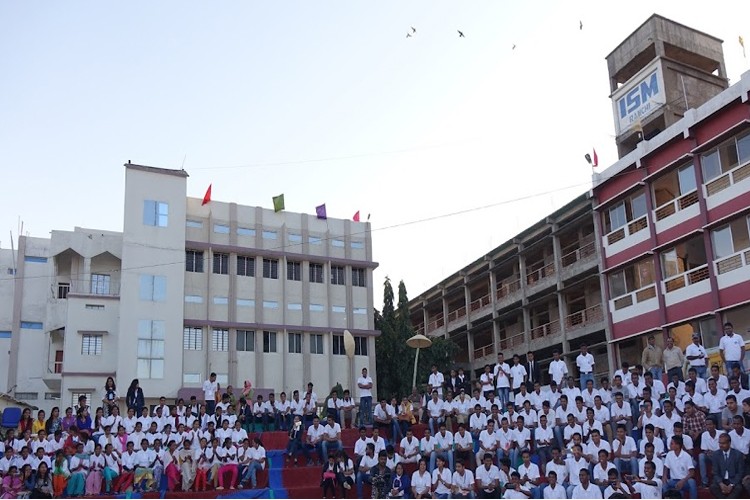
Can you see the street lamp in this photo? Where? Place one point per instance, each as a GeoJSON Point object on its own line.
{"type": "Point", "coordinates": [417, 342]}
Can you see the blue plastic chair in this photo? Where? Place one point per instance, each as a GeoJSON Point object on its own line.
{"type": "Point", "coordinates": [11, 418]}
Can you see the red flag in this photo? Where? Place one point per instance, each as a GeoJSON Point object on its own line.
{"type": "Point", "coordinates": [596, 160]}
{"type": "Point", "coordinates": [356, 217]}
{"type": "Point", "coordinates": [207, 196]}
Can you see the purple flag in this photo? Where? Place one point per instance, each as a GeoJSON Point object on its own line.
{"type": "Point", "coordinates": [320, 211]}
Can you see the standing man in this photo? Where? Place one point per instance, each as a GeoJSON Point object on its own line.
{"type": "Point", "coordinates": [696, 355]}
{"type": "Point", "coordinates": [558, 370]}
{"type": "Point", "coordinates": [532, 368]}
{"type": "Point", "coordinates": [585, 364]}
{"type": "Point", "coordinates": [364, 383]}
{"type": "Point", "coordinates": [732, 348]}
{"type": "Point", "coordinates": [436, 381]}
{"type": "Point", "coordinates": [651, 359]}
{"type": "Point", "coordinates": [209, 393]}
{"type": "Point", "coordinates": [673, 360]}
{"type": "Point", "coordinates": [502, 380]}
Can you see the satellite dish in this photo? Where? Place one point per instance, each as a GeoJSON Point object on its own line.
{"type": "Point", "coordinates": [349, 343]}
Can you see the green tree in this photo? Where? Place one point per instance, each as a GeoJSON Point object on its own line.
{"type": "Point", "coordinates": [395, 360]}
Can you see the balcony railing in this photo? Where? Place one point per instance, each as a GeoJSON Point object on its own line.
{"type": "Point", "coordinates": [419, 329]}
{"type": "Point", "coordinates": [484, 351]}
{"type": "Point", "coordinates": [588, 316]}
{"type": "Point", "coordinates": [546, 330]}
{"type": "Point", "coordinates": [686, 279]}
{"type": "Point", "coordinates": [673, 206]}
{"type": "Point", "coordinates": [456, 314]}
{"type": "Point", "coordinates": [512, 341]}
{"type": "Point", "coordinates": [628, 229]}
{"type": "Point", "coordinates": [538, 274]}
{"type": "Point", "coordinates": [85, 287]}
{"type": "Point", "coordinates": [438, 322]}
{"type": "Point", "coordinates": [734, 261]}
{"type": "Point", "coordinates": [481, 302]}
{"type": "Point", "coordinates": [727, 179]}
{"type": "Point", "coordinates": [640, 295]}
{"type": "Point", "coordinates": [578, 252]}
{"type": "Point", "coordinates": [505, 289]}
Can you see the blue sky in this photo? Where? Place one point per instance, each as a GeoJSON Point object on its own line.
{"type": "Point", "coordinates": [325, 102]}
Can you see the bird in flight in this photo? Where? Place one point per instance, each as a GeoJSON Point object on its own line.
{"type": "Point", "coordinates": [514, 47]}
{"type": "Point", "coordinates": [580, 25]}
{"type": "Point", "coordinates": [413, 29]}
{"type": "Point", "coordinates": [408, 35]}
{"type": "Point", "coordinates": [460, 34]}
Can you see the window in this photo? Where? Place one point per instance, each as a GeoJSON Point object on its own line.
{"type": "Point", "coordinates": [150, 349]}
{"type": "Point", "coordinates": [192, 339]}
{"type": "Point", "coordinates": [100, 284]}
{"type": "Point", "coordinates": [360, 346]}
{"type": "Point", "coordinates": [193, 299]}
{"type": "Point", "coordinates": [221, 301]}
{"type": "Point", "coordinates": [193, 261]}
{"type": "Point", "coordinates": [91, 344]}
{"type": "Point", "coordinates": [358, 245]}
{"type": "Point", "coordinates": [95, 307]}
{"type": "Point", "coordinates": [359, 310]}
{"type": "Point", "coordinates": [191, 378]}
{"type": "Point", "coordinates": [316, 273]}
{"type": "Point", "coordinates": [220, 340]}
{"type": "Point", "coordinates": [294, 306]}
{"type": "Point", "coordinates": [295, 343]}
{"type": "Point", "coordinates": [195, 224]}
{"type": "Point", "coordinates": [27, 396]}
{"type": "Point", "coordinates": [271, 269]}
{"type": "Point", "coordinates": [316, 308]}
{"type": "Point", "coordinates": [153, 288]}
{"type": "Point", "coordinates": [77, 395]}
{"type": "Point", "coordinates": [358, 276]}
{"type": "Point", "coordinates": [727, 156]}
{"type": "Point", "coordinates": [294, 271]}
{"type": "Point", "coordinates": [53, 396]}
{"type": "Point", "coordinates": [632, 278]}
{"type": "Point", "coordinates": [338, 243]}
{"type": "Point", "coordinates": [245, 231]}
{"type": "Point", "coordinates": [630, 209]}
{"type": "Point", "coordinates": [295, 238]}
{"type": "Point", "coordinates": [155, 213]}
{"type": "Point", "coordinates": [269, 341]}
{"type": "Point", "coordinates": [269, 235]}
{"type": "Point", "coordinates": [338, 345]}
{"type": "Point", "coordinates": [731, 238]}
{"type": "Point", "coordinates": [35, 260]}
{"type": "Point", "coordinates": [221, 263]}
{"type": "Point", "coordinates": [245, 266]}
{"type": "Point", "coordinates": [316, 344]}
{"type": "Point", "coordinates": [245, 303]}
{"type": "Point", "coordinates": [62, 290]}
{"type": "Point", "coordinates": [684, 257]}
{"type": "Point", "coordinates": [270, 304]}
{"type": "Point", "coordinates": [5, 334]}
{"type": "Point", "coordinates": [59, 355]}
{"type": "Point", "coordinates": [32, 325]}
{"type": "Point", "coordinates": [314, 240]}
{"type": "Point", "coordinates": [338, 309]}
{"type": "Point", "coordinates": [221, 229]}
{"type": "Point", "coordinates": [246, 340]}
{"type": "Point", "coordinates": [337, 275]}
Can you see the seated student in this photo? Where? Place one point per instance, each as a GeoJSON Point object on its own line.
{"type": "Point", "coordinates": [679, 471]}
{"type": "Point", "coordinates": [543, 441]}
{"type": "Point", "coordinates": [435, 412]}
{"type": "Point", "coordinates": [408, 447]}
{"type": "Point", "coordinates": [315, 434]}
{"type": "Point", "coordinates": [441, 479]}
{"type": "Point", "coordinates": [625, 452]}
{"type": "Point", "coordinates": [600, 473]}
{"type": "Point", "coordinates": [488, 443]}
{"type": "Point", "coordinates": [487, 478]}
{"type": "Point", "coordinates": [521, 441]}
{"type": "Point", "coordinates": [570, 429]}
{"type": "Point", "coordinates": [590, 424]}
{"type": "Point", "coordinates": [333, 405]}
{"type": "Point", "coordinates": [285, 412]}
{"type": "Point", "coordinates": [515, 488]}
{"type": "Point", "coordinates": [649, 437]}
{"type": "Point", "coordinates": [553, 489]}
{"type": "Point", "coordinates": [366, 464]}
{"type": "Point", "coordinates": [621, 413]}
{"type": "Point", "coordinates": [709, 441]}
{"type": "Point", "coordinates": [463, 445]}
{"type": "Point", "coordinates": [331, 436]}
{"type": "Point", "coordinates": [575, 464]}
{"type": "Point", "coordinates": [651, 457]}
{"type": "Point", "coordinates": [647, 485]}
{"type": "Point", "coordinates": [614, 488]}
{"type": "Point", "coordinates": [385, 418]}
{"type": "Point", "coordinates": [444, 444]}
{"type": "Point", "coordinates": [260, 413]}
{"type": "Point", "coordinates": [462, 481]}
{"type": "Point", "coordinates": [597, 444]}
{"type": "Point", "coordinates": [347, 411]}
{"type": "Point", "coordinates": [531, 477]}
{"type": "Point", "coordinates": [585, 488]}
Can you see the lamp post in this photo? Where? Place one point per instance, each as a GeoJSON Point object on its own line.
{"type": "Point", "coordinates": [417, 342]}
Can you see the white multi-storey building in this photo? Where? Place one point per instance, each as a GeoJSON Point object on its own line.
{"type": "Point", "coordinates": [185, 290]}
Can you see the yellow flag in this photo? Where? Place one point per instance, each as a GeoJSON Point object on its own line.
{"type": "Point", "coordinates": [742, 43]}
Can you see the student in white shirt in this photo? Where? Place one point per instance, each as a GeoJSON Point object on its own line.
{"type": "Point", "coordinates": [364, 385]}
{"type": "Point", "coordinates": [558, 370]}
{"type": "Point", "coordinates": [679, 469]}
{"type": "Point", "coordinates": [648, 485]}
{"type": "Point", "coordinates": [462, 482]}
{"type": "Point", "coordinates": [585, 364]}
{"type": "Point", "coordinates": [421, 482]}
{"type": "Point", "coordinates": [650, 456]}
{"type": "Point", "coordinates": [408, 449]}
{"type": "Point", "coordinates": [436, 381]}
{"type": "Point", "coordinates": [502, 380]}
{"type": "Point", "coordinates": [625, 452]}
{"type": "Point", "coordinates": [441, 479]}
{"type": "Point", "coordinates": [709, 444]}
{"type": "Point", "coordinates": [518, 374]}
{"type": "Point", "coordinates": [553, 490]}
{"type": "Point", "coordinates": [488, 443]}
{"type": "Point", "coordinates": [487, 477]}
{"type": "Point", "coordinates": [585, 488]}
{"type": "Point", "coordinates": [515, 489]}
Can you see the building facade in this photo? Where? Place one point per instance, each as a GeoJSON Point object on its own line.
{"type": "Point", "coordinates": [673, 211]}
{"type": "Point", "coordinates": [185, 290]}
{"type": "Point", "coordinates": [539, 291]}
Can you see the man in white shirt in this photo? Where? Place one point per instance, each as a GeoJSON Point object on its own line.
{"type": "Point", "coordinates": [364, 384]}
{"type": "Point", "coordinates": [443, 447]}
{"type": "Point", "coordinates": [530, 475]}
{"type": "Point", "coordinates": [585, 364]}
{"type": "Point", "coordinates": [558, 370]}
{"type": "Point", "coordinates": [518, 374]}
{"type": "Point", "coordinates": [488, 478]}
{"type": "Point", "coordinates": [436, 381]}
{"type": "Point", "coordinates": [209, 393]}
{"type": "Point", "coordinates": [625, 452]}
{"type": "Point", "coordinates": [650, 456]}
{"type": "Point", "coordinates": [315, 435]}
{"type": "Point", "coordinates": [732, 348]}
{"type": "Point", "coordinates": [740, 436]}
{"type": "Point", "coordinates": [463, 445]}
{"type": "Point", "coordinates": [331, 437]}
{"type": "Point", "coordinates": [715, 400]}
{"type": "Point", "coordinates": [696, 356]}
{"type": "Point", "coordinates": [502, 380]}
{"type": "Point", "coordinates": [408, 449]}
{"type": "Point", "coordinates": [477, 421]}
{"type": "Point", "coordinates": [647, 485]}
{"type": "Point", "coordinates": [435, 411]}
{"type": "Point", "coordinates": [385, 417]}
{"type": "Point", "coordinates": [709, 444]}
{"type": "Point", "coordinates": [488, 443]}
{"type": "Point", "coordinates": [462, 481]}
{"type": "Point", "coordinates": [347, 409]}
{"type": "Point", "coordinates": [553, 489]}
{"type": "Point", "coordinates": [679, 469]}
{"type": "Point", "coordinates": [585, 488]}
